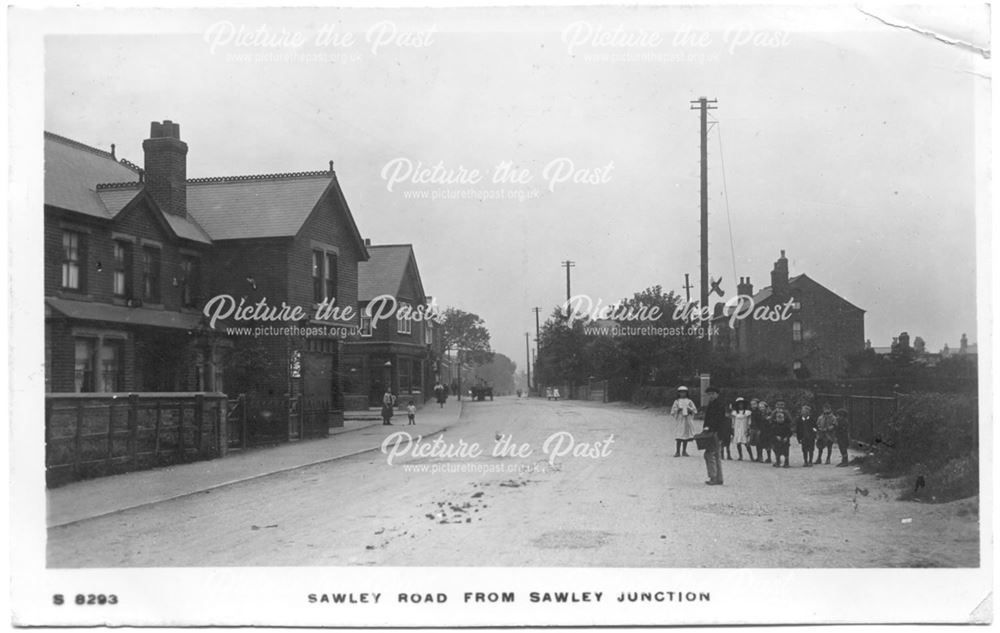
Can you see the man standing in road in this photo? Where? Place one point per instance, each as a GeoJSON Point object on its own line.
{"type": "Point", "coordinates": [716, 421]}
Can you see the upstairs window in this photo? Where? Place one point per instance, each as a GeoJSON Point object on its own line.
{"type": "Point", "coordinates": [151, 274]}
{"type": "Point", "coordinates": [123, 269]}
{"type": "Point", "coordinates": [73, 260]}
{"type": "Point", "coordinates": [428, 333]}
{"type": "Point", "coordinates": [366, 326]}
{"type": "Point", "coordinates": [331, 275]}
{"type": "Point", "coordinates": [190, 280]}
{"type": "Point", "coordinates": [403, 325]}
{"type": "Point", "coordinates": [317, 275]}
{"type": "Point", "coordinates": [324, 275]}
{"type": "Point", "coordinates": [796, 331]}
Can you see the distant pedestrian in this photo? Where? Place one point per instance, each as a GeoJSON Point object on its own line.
{"type": "Point", "coordinates": [683, 411]}
{"type": "Point", "coordinates": [548, 393]}
{"type": "Point", "coordinates": [440, 394]}
{"type": "Point", "coordinates": [411, 413]}
{"type": "Point", "coordinates": [388, 404]}
{"type": "Point", "coordinates": [717, 422]}
{"type": "Point", "coordinates": [555, 393]}
{"type": "Point", "coordinates": [843, 435]}
{"type": "Point", "coordinates": [781, 433]}
{"type": "Point", "coordinates": [805, 433]}
{"type": "Point", "coordinates": [826, 432]}
{"type": "Point", "coordinates": [741, 428]}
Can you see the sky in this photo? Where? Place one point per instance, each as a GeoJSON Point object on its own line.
{"type": "Point", "coordinates": [846, 142]}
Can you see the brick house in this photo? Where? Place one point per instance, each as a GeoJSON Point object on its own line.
{"type": "Point", "coordinates": [822, 330]}
{"type": "Point", "coordinates": [132, 255]}
{"type": "Point", "coordinates": [123, 277]}
{"type": "Point", "coordinates": [405, 354]}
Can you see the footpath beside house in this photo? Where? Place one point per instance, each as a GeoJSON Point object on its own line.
{"type": "Point", "coordinates": [133, 254]}
{"type": "Point", "coordinates": [822, 330]}
{"type": "Point", "coordinates": [400, 353]}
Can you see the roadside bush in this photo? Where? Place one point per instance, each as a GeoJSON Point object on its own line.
{"type": "Point", "coordinates": [934, 436]}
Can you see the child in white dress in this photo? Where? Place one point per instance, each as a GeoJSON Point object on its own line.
{"type": "Point", "coordinates": [683, 411]}
{"type": "Point", "coordinates": [741, 428]}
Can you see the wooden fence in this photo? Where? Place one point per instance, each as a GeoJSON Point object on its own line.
{"type": "Point", "coordinates": [95, 434]}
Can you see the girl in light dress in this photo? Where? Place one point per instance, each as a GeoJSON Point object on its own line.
{"type": "Point", "coordinates": [741, 428]}
{"type": "Point", "coordinates": [683, 411]}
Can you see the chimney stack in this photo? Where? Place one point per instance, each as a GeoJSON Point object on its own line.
{"type": "Point", "coordinates": [779, 276]}
{"type": "Point", "coordinates": [166, 167]}
{"type": "Point", "coordinates": [744, 287]}
{"type": "Point", "coordinates": [368, 241]}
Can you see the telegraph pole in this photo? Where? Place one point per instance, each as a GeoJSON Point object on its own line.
{"type": "Point", "coordinates": [687, 287]}
{"type": "Point", "coordinates": [567, 265]}
{"type": "Point", "coordinates": [704, 105]}
{"type": "Point", "coordinates": [527, 358]}
{"type": "Point", "coordinates": [538, 337]}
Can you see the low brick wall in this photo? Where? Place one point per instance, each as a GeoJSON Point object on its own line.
{"type": "Point", "coordinates": [97, 434]}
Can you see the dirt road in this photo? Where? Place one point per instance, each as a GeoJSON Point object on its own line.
{"type": "Point", "coordinates": [623, 501]}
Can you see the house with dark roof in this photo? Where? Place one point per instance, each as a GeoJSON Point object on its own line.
{"type": "Point", "coordinates": [133, 254]}
{"type": "Point", "coordinates": [403, 354]}
{"type": "Point", "coordinates": [820, 331]}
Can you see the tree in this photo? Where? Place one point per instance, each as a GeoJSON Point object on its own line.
{"type": "Point", "coordinates": [498, 373]}
{"type": "Point", "coordinates": [466, 332]}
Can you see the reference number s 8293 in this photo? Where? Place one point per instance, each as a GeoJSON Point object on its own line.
{"type": "Point", "coordinates": [85, 599]}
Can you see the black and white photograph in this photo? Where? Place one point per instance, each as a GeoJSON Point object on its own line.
{"type": "Point", "coordinates": [671, 314]}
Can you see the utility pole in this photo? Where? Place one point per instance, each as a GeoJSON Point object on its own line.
{"type": "Point", "coordinates": [687, 287]}
{"type": "Point", "coordinates": [567, 265]}
{"type": "Point", "coordinates": [527, 357]}
{"type": "Point", "coordinates": [704, 105]}
{"type": "Point", "coordinates": [538, 339]}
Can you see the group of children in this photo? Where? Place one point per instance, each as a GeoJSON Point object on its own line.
{"type": "Point", "coordinates": [768, 432]}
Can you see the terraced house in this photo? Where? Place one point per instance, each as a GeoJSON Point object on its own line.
{"type": "Point", "coordinates": [132, 254]}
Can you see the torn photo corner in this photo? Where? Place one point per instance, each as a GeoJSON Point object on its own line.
{"type": "Point", "coordinates": [501, 316]}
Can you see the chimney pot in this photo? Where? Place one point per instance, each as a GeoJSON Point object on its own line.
{"type": "Point", "coordinates": [368, 241]}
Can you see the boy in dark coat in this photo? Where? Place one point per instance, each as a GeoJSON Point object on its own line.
{"type": "Point", "coordinates": [781, 432]}
{"type": "Point", "coordinates": [760, 419]}
{"type": "Point", "coordinates": [805, 433]}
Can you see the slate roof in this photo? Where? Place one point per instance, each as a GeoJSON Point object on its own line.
{"type": "Point", "coordinates": [764, 294]}
{"type": "Point", "coordinates": [384, 270]}
{"type": "Point", "coordinates": [248, 207]}
{"type": "Point", "coordinates": [90, 181]}
{"type": "Point", "coordinates": [72, 171]}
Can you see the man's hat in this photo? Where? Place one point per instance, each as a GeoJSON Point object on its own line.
{"type": "Point", "coordinates": [682, 388]}
{"type": "Point", "coordinates": [740, 399]}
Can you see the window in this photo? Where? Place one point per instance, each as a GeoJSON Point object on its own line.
{"type": "Point", "coordinates": [331, 274]}
{"type": "Point", "coordinates": [123, 269]}
{"type": "Point", "coordinates": [366, 326]}
{"type": "Point", "coordinates": [405, 385]}
{"type": "Point", "coordinates": [403, 324]}
{"type": "Point", "coordinates": [317, 274]}
{"type": "Point", "coordinates": [110, 362]}
{"type": "Point", "coordinates": [797, 365]}
{"type": "Point", "coordinates": [428, 333]}
{"type": "Point", "coordinates": [324, 274]}
{"type": "Point", "coordinates": [190, 281]}
{"type": "Point", "coordinates": [151, 274]}
{"type": "Point", "coordinates": [796, 331]}
{"type": "Point", "coordinates": [83, 364]}
{"type": "Point", "coordinates": [73, 260]}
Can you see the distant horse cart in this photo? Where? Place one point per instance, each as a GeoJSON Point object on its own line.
{"type": "Point", "coordinates": [481, 392]}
